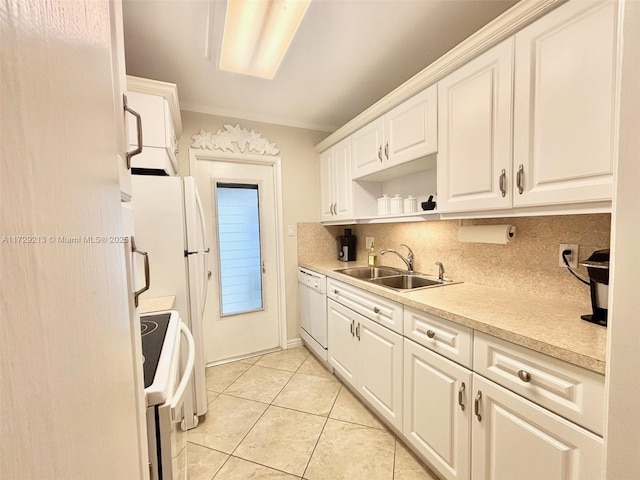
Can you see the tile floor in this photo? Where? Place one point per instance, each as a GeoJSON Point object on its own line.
{"type": "Point", "coordinates": [283, 416]}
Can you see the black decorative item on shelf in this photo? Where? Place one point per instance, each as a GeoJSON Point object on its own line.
{"type": "Point", "coordinates": [429, 204]}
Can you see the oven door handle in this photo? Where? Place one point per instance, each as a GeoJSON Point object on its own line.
{"type": "Point", "coordinates": [178, 396]}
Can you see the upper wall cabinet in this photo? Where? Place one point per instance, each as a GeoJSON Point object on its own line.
{"type": "Point", "coordinates": [474, 134]}
{"type": "Point", "coordinates": [406, 133]}
{"type": "Point", "coordinates": [336, 193]}
{"type": "Point", "coordinates": [157, 104]}
{"type": "Point", "coordinates": [564, 114]}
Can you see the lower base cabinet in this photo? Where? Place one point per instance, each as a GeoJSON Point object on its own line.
{"type": "Point", "coordinates": [369, 357]}
{"type": "Point", "coordinates": [437, 410]}
{"type": "Point", "coordinates": [514, 438]}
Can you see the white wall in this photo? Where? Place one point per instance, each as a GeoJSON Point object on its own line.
{"type": "Point", "coordinates": [300, 181]}
{"type": "Point", "coordinates": [622, 435]}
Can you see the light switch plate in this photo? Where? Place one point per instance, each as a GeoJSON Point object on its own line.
{"type": "Point", "coordinates": [291, 230]}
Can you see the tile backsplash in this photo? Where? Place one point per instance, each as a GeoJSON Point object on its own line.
{"type": "Point", "coordinates": [529, 262]}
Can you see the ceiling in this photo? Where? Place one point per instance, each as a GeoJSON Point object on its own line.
{"type": "Point", "coordinates": [346, 56]}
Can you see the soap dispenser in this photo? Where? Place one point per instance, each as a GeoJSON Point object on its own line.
{"type": "Point", "coordinates": [373, 258]}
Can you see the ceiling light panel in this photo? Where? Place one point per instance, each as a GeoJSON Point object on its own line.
{"type": "Point", "coordinates": [257, 34]}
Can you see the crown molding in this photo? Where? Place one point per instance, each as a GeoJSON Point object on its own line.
{"type": "Point", "coordinates": [517, 17]}
{"type": "Point", "coordinates": [162, 89]}
{"type": "Point", "coordinates": [270, 119]}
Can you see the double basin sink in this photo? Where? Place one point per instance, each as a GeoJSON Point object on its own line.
{"type": "Point", "coordinates": [393, 278]}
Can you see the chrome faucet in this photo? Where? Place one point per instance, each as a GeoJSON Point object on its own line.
{"type": "Point", "coordinates": [440, 271]}
{"type": "Point", "coordinates": [408, 261]}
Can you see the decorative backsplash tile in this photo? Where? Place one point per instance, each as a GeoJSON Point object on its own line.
{"type": "Point", "coordinates": [529, 262]}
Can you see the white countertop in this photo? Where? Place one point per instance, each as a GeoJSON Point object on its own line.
{"type": "Point", "coordinates": [550, 327]}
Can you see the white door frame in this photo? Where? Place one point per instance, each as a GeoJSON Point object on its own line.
{"type": "Point", "coordinates": [247, 158]}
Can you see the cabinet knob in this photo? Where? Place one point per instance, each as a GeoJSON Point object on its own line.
{"type": "Point", "coordinates": [524, 376]}
{"type": "Point", "coordinates": [335, 292]}
{"type": "Point", "coordinates": [431, 333]}
{"type": "Point", "coordinates": [376, 310]}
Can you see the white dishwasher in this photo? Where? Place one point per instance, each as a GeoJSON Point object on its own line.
{"type": "Point", "coordinates": [312, 289]}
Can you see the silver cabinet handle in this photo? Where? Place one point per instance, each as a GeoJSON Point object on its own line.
{"type": "Point", "coordinates": [376, 310]}
{"type": "Point", "coordinates": [503, 180]}
{"type": "Point", "coordinates": [386, 150]}
{"type": "Point", "coordinates": [431, 333]}
{"type": "Point", "coordinates": [138, 150]}
{"type": "Point", "coordinates": [524, 376]}
{"type": "Point", "coordinates": [476, 406]}
{"type": "Point", "coordinates": [519, 178]}
{"type": "Point", "coordinates": [358, 331]}
{"type": "Point", "coordinates": [460, 396]}
{"type": "Point", "coordinates": [351, 327]}
{"type": "Point", "coordinates": [147, 276]}
{"type": "Point", "coordinates": [380, 152]}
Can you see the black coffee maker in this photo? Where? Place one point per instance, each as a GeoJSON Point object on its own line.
{"type": "Point", "coordinates": [598, 267]}
{"type": "Point", "coordinates": [346, 246]}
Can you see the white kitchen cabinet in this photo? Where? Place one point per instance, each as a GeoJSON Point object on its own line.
{"type": "Point", "coordinates": [119, 90]}
{"type": "Point", "coordinates": [336, 192]}
{"type": "Point", "coordinates": [342, 346]}
{"type": "Point", "coordinates": [160, 129]}
{"type": "Point", "coordinates": [515, 438]}
{"type": "Point", "coordinates": [405, 133]}
{"type": "Point", "coordinates": [369, 357]}
{"type": "Point", "coordinates": [474, 130]}
{"type": "Point", "coordinates": [564, 113]}
{"type": "Point", "coordinates": [437, 410]}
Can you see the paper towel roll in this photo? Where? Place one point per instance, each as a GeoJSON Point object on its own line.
{"type": "Point", "coordinates": [486, 233]}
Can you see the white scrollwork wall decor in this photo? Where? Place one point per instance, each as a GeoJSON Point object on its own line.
{"type": "Point", "coordinates": [243, 139]}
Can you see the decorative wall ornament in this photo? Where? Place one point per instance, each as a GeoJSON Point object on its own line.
{"type": "Point", "coordinates": [243, 139]}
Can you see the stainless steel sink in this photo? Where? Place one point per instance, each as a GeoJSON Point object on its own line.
{"type": "Point", "coordinates": [368, 273]}
{"type": "Point", "coordinates": [407, 282]}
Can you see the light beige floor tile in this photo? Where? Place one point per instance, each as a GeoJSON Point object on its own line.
{"type": "Point", "coordinates": [289, 359]}
{"type": "Point", "coordinates": [309, 393]}
{"type": "Point", "coordinates": [227, 422]}
{"type": "Point", "coordinates": [352, 452]}
{"type": "Point", "coordinates": [349, 409]}
{"type": "Point", "coordinates": [408, 467]}
{"type": "Point", "coordinates": [220, 377]}
{"type": "Point", "coordinates": [211, 396]}
{"type": "Point", "coordinates": [203, 462]}
{"type": "Point", "coordinates": [239, 469]}
{"type": "Point", "coordinates": [312, 366]}
{"type": "Point", "coordinates": [259, 383]}
{"type": "Point", "coordinates": [282, 439]}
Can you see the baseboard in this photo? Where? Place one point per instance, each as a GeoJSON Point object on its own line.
{"type": "Point", "coordinates": [294, 343]}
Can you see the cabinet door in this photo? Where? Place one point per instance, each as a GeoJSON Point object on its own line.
{"type": "Point", "coordinates": [327, 185]}
{"type": "Point", "coordinates": [343, 193]}
{"type": "Point", "coordinates": [119, 89]}
{"type": "Point", "coordinates": [515, 438]}
{"type": "Point", "coordinates": [342, 347]}
{"type": "Point", "coordinates": [564, 114]}
{"type": "Point", "coordinates": [380, 369]}
{"type": "Point", "coordinates": [411, 129]}
{"type": "Point", "coordinates": [367, 145]}
{"type": "Point", "coordinates": [437, 410]}
{"type": "Point", "coordinates": [474, 133]}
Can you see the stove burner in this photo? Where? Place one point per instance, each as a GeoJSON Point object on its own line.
{"type": "Point", "coordinates": [147, 326]}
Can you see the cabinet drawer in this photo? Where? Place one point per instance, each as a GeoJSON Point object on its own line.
{"type": "Point", "coordinates": [380, 310]}
{"type": "Point", "coordinates": [571, 391]}
{"type": "Point", "coordinates": [442, 336]}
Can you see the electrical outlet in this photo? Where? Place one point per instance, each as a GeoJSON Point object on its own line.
{"type": "Point", "coordinates": [572, 258]}
{"type": "Point", "coordinates": [367, 242]}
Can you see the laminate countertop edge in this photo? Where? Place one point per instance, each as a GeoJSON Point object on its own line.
{"type": "Point", "coordinates": [550, 327]}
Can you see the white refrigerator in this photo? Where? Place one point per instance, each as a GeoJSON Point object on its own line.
{"type": "Point", "coordinates": [169, 226]}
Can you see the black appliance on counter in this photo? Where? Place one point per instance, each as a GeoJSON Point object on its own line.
{"type": "Point", "coordinates": [346, 246]}
{"type": "Point", "coordinates": [598, 267]}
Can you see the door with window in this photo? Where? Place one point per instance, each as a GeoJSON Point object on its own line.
{"type": "Point", "coordinates": [242, 314]}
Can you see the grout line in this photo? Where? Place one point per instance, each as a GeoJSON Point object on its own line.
{"type": "Point", "coordinates": [263, 465]}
